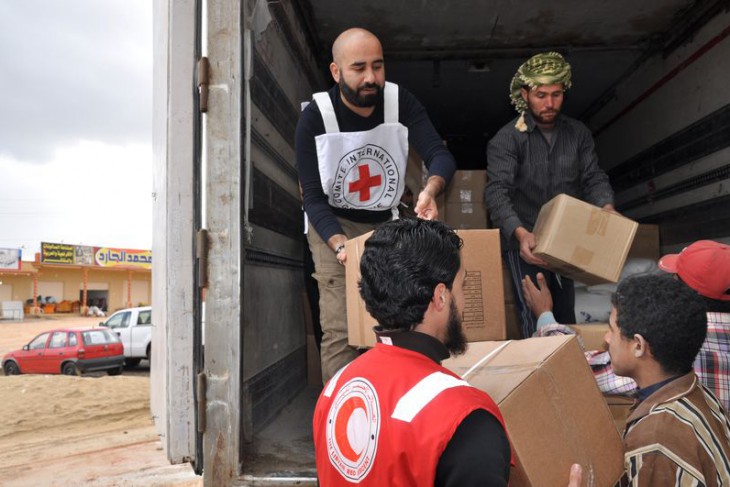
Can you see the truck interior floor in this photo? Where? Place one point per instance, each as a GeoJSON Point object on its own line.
{"type": "Point", "coordinates": [282, 453]}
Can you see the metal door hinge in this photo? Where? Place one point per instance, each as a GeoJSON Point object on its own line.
{"type": "Point", "coordinates": [203, 70]}
{"type": "Point", "coordinates": [200, 383]}
{"type": "Point", "coordinates": [201, 254]}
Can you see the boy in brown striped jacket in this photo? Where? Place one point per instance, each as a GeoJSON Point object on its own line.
{"type": "Point", "coordinates": [677, 434]}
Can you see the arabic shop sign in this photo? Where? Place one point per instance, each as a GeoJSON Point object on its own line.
{"type": "Point", "coordinates": [53, 253]}
{"type": "Point", "coordinates": [108, 257]}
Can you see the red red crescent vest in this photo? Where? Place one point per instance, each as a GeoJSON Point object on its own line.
{"type": "Point", "coordinates": [386, 418]}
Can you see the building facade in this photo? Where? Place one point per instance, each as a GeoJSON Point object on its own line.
{"type": "Point", "coordinates": [70, 279]}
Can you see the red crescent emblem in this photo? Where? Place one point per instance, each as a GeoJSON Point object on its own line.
{"type": "Point", "coordinates": [341, 422]}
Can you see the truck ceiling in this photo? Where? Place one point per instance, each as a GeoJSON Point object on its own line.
{"type": "Point", "coordinates": [459, 56]}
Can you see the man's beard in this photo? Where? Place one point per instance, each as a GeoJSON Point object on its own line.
{"type": "Point", "coordinates": [354, 96]}
{"type": "Point", "coordinates": [455, 338]}
{"type": "Point", "coordinates": [540, 118]}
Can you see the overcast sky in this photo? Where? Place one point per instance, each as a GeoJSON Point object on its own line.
{"type": "Point", "coordinates": [76, 130]}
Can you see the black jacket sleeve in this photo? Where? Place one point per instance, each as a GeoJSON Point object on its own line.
{"type": "Point", "coordinates": [477, 455]}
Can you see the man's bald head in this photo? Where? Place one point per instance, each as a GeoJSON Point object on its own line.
{"type": "Point", "coordinates": [358, 68]}
{"type": "Point", "coordinates": [349, 39]}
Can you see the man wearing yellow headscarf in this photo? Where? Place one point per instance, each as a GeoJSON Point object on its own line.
{"type": "Point", "coordinates": [533, 158]}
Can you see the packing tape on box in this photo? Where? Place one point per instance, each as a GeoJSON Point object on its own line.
{"type": "Point", "coordinates": [483, 364]}
{"type": "Point", "coordinates": [597, 222]}
{"type": "Point", "coordinates": [486, 358]}
{"type": "Point", "coordinates": [581, 256]}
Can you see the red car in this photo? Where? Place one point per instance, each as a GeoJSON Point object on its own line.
{"type": "Point", "coordinates": [69, 352]}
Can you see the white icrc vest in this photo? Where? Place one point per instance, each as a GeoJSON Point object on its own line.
{"type": "Point", "coordinates": [363, 170]}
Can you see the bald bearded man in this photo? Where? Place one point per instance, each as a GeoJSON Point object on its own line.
{"type": "Point", "coordinates": [535, 157]}
{"type": "Point", "coordinates": [351, 150]}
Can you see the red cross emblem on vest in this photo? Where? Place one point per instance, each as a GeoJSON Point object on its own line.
{"type": "Point", "coordinates": [365, 182]}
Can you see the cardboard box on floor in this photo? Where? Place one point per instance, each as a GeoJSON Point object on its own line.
{"type": "Point", "coordinates": [581, 241]}
{"type": "Point", "coordinates": [554, 413]}
{"type": "Point", "coordinates": [483, 317]}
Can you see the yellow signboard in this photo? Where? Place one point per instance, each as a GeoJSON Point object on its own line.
{"type": "Point", "coordinates": [54, 253]}
{"type": "Point", "coordinates": [110, 257]}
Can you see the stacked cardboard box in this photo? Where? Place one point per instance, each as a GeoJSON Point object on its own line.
{"type": "Point", "coordinates": [581, 241]}
{"type": "Point", "coordinates": [483, 317]}
{"type": "Point", "coordinates": [554, 413]}
{"type": "Point", "coordinates": [463, 203]}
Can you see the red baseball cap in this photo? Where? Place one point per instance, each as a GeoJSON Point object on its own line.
{"type": "Point", "coordinates": [704, 266]}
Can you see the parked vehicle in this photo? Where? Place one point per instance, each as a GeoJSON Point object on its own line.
{"type": "Point", "coordinates": [68, 352]}
{"type": "Point", "coordinates": [133, 326]}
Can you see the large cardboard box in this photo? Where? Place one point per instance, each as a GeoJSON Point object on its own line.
{"type": "Point", "coordinates": [581, 241]}
{"type": "Point", "coordinates": [554, 413]}
{"type": "Point", "coordinates": [483, 317]}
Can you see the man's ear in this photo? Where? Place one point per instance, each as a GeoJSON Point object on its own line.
{"type": "Point", "coordinates": [524, 93]}
{"type": "Point", "coordinates": [335, 70]}
{"type": "Point", "coordinates": [641, 346]}
{"type": "Point", "coordinates": [439, 296]}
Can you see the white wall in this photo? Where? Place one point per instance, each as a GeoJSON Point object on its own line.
{"type": "Point", "coordinates": [140, 293]}
{"type": "Point", "coordinates": [693, 93]}
{"type": "Point", "coordinates": [6, 292]}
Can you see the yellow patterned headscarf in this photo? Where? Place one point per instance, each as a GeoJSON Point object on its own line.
{"type": "Point", "coordinates": [547, 68]}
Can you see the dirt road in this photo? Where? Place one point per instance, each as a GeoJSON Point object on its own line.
{"type": "Point", "coordinates": [87, 431]}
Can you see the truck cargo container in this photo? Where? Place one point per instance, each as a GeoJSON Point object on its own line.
{"type": "Point", "coordinates": [229, 372]}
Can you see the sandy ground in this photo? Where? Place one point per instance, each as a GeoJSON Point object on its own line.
{"type": "Point", "coordinates": [67, 431]}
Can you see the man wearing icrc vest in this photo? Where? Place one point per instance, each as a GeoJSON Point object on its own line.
{"type": "Point", "coordinates": [351, 150]}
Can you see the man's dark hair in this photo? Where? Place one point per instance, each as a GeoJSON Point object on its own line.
{"type": "Point", "coordinates": [403, 262]}
{"type": "Point", "coordinates": [670, 316]}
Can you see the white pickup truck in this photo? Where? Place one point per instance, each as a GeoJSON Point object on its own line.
{"type": "Point", "coordinates": [134, 327]}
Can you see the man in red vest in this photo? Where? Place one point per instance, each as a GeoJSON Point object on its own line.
{"type": "Point", "coordinates": [395, 416]}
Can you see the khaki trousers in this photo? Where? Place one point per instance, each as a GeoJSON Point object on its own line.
{"type": "Point", "coordinates": [330, 275]}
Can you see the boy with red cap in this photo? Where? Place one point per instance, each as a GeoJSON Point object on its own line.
{"type": "Point", "coordinates": [705, 267]}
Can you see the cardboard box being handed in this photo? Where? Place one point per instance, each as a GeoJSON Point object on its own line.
{"type": "Point", "coordinates": [581, 241]}
{"type": "Point", "coordinates": [554, 413]}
